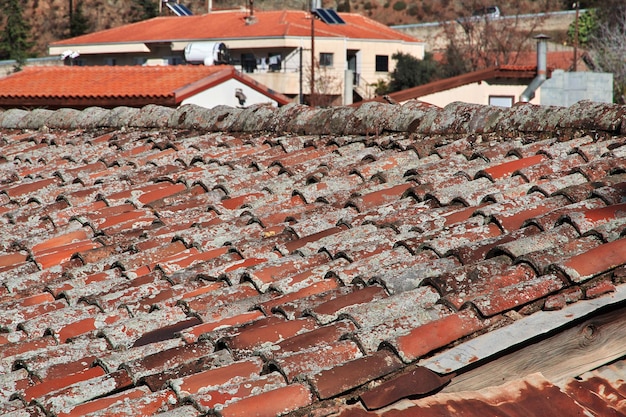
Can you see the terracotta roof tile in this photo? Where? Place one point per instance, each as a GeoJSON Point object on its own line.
{"type": "Point", "coordinates": [272, 402]}
{"type": "Point", "coordinates": [595, 261]}
{"type": "Point", "coordinates": [437, 333]}
{"type": "Point", "coordinates": [238, 266]}
{"type": "Point", "coordinates": [233, 24]}
{"type": "Point", "coordinates": [215, 399]}
{"type": "Point", "coordinates": [102, 403]}
{"type": "Point", "coordinates": [101, 84]}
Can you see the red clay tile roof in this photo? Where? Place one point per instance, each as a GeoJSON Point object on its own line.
{"type": "Point", "coordinates": [233, 25]}
{"type": "Point", "coordinates": [112, 86]}
{"type": "Point", "coordinates": [340, 262]}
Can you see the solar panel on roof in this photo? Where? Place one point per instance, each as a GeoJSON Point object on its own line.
{"type": "Point", "coordinates": [185, 9]}
{"type": "Point", "coordinates": [179, 9]}
{"type": "Point", "coordinates": [328, 16]}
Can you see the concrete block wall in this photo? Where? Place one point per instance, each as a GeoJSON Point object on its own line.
{"type": "Point", "coordinates": [567, 88]}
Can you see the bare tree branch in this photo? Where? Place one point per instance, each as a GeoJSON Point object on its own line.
{"type": "Point", "coordinates": [608, 48]}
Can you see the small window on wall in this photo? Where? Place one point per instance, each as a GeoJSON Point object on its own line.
{"type": "Point", "coordinates": [382, 63]}
{"type": "Point", "coordinates": [501, 101]}
{"type": "Point", "coordinates": [326, 59]}
{"type": "Point", "coordinates": [175, 60]}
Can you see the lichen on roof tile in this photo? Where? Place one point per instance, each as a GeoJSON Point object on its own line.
{"type": "Point", "coordinates": [225, 256]}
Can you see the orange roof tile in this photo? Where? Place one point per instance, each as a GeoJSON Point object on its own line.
{"type": "Point", "coordinates": [233, 25]}
{"type": "Point", "coordinates": [106, 86]}
{"type": "Point", "coordinates": [427, 248]}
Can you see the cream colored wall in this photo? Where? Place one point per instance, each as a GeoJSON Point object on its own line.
{"type": "Point", "coordinates": [288, 81]}
{"type": "Point", "coordinates": [477, 93]}
{"type": "Point", "coordinates": [224, 94]}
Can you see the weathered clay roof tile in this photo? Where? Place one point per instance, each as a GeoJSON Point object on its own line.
{"type": "Point", "coordinates": [332, 261]}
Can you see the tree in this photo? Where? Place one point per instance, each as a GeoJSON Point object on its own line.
{"type": "Point", "coordinates": [608, 48]}
{"type": "Point", "coordinates": [79, 24]}
{"type": "Point", "coordinates": [579, 32]}
{"type": "Point", "coordinates": [327, 86]}
{"type": "Point", "coordinates": [454, 62]}
{"type": "Point", "coordinates": [479, 42]}
{"type": "Point", "coordinates": [143, 10]}
{"type": "Point", "coordinates": [15, 40]}
{"type": "Point", "coordinates": [410, 71]}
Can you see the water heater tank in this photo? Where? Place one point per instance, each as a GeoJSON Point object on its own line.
{"type": "Point", "coordinates": [208, 53]}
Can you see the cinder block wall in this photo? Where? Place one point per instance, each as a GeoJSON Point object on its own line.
{"type": "Point", "coordinates": [567, 88]}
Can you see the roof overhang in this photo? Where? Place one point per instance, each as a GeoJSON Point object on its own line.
{"type": "Point", "coordinates": [495, 73]}
{"type": "Point", "coordinates": [57, 102]}
{"type": "Point", "coordinates": [108, 48]}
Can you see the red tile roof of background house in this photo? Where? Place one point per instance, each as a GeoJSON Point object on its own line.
{"type": "Point", "coordinates": [110, 86]}
{"type": "Point", "coordinates": [510, 72]}
{"type": "Point", "coordinates": [233, 25]}
{"type": "Point", "coordinates": [343, 261]}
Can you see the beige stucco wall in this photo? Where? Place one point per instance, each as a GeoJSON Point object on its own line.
{"type": "Point", "coordinates": [287, 81]}
{"type": "Point", "coordinates": [478, 93]}
{"type": "Point", "coordinates": [224, 94]}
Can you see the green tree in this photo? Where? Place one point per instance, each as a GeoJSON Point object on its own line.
{"type": "Point", "coordinates": [15, 40]}
{"type": "Point", "coordinates": [399, 5]}
{"type": "Point", "coordinates": [381, 87]}
{"type": "Point", "coordinates": [454, 61]}
{"type": "Point", "coordinates": [79, 24]}
{"type": "Point", "coordinates": [411, 72]}
{"type": "Point", "coordinates": [587, 25]}
{"type": "Point", "coordinates": [143, 10]}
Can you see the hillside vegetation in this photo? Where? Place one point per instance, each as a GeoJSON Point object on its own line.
{"type": "Point", "coordinates": [49, 19]}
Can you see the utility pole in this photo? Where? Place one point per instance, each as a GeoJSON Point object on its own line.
{"type": "Point", "coordinates": [311, 100]}
{"type": "Point", "coordinates": [576, 4]}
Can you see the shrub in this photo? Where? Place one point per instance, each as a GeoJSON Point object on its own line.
{"type": "Point", "coordinates": [399, 5]}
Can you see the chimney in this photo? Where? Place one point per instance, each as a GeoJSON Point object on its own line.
{"type": "Point", "coordinates": [251, 18]}
{"type": "Point", "coordinates": [542, 69]}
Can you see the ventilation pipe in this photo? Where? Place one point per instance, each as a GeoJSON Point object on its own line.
{"type": "Point", "coordinates": [542, 69]}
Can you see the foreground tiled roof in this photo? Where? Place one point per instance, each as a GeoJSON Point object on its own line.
{"type": "Point", "coordinates": [345, 261]}
{"type": "Point", "coordinates": [233, 25]}
{"type": "Point", "coordinates": [112, 86]}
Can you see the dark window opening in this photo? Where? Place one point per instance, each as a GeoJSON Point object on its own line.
{"type": "Point", "coordinates": [382, 63]}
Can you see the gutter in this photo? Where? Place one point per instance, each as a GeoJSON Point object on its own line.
{"type": "Point", "coordinates": [542, 53]}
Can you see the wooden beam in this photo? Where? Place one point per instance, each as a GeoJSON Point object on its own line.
{"type": "Point", "coordinates": [562, 356]}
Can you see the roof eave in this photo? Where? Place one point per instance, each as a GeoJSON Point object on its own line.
{"type": "Point", "coordinates": [461, 80]}
{"type": "Point", "coordinates": [84, 102]}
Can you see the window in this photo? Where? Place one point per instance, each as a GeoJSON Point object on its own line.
{"type": "Point", "coordinates": [175, 60]}
{"type": "Point", "coordinates": [275, 62]}
{"type": "Point", "coordinates": [382, 63]}
{"type": "Point", "coordinates": [110, 62]}
{"type": "Point", "coordinates": [326, 59]}
{"type": "Point", "coordinates": [248, 62]}
{"type": "Point", "coordinates": [501, 101]}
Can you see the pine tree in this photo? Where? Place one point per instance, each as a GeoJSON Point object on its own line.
{"type": "Point", "coordinates": [79, 25]}
{"type": "Point", "coordinates": [143, 10]}
{"type": "Point", "coordinates": [15, 40]}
